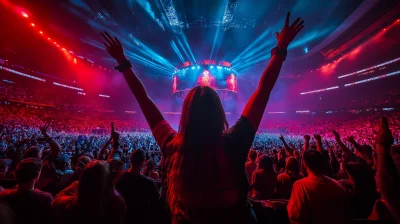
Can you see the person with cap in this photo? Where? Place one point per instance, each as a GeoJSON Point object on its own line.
{"type": "Point", "coordinates": [29, 205]}
{"type": "Point", "coordinates": [140, 192]}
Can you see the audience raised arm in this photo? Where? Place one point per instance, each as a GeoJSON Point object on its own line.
{"type": "Point", "coordinates": [388, 179]}
{"type": "Point", "coordinates": [255, 107]}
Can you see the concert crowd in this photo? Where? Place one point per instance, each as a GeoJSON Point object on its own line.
{"type": "Point", "coordinates": [61, 166]}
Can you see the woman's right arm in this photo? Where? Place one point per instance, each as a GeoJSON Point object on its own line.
{"type": "Point", "coordinates": [257, 103]}
{"type": "Point", "coordinates": [149, 108]}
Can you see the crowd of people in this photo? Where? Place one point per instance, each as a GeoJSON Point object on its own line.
{"type": "Point", "coordinates": [56, 168]}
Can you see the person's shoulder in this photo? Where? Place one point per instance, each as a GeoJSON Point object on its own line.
{"type": "Point", "coordinates": [336, 184]}
{"type": "Point", "coordinates": [302, 182]}
{"type": "Point", "coordinates": [7, 192]}
{"type": "Point", "coordinates": [147, 179]}
{"type": "Point", "coordinates": [42, 194]}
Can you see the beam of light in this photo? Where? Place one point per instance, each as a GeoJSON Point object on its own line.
{"type": "Point", "coordinates": [254, 43]}
{"type": "Point", "coordinates": [372, 67]}
{"type": "Point", "coordinates": [147, 7]}
{"type": "Point", "coordinates": [188, 46]}
{"type": "Point", "coordinates": [320, 90]}
{"type": "Point", "coordinates": [244, 66]}
{"type": "Point", "coordinates": [374, 78]}
{"type": "Point", "coordinates": [183, 48]}
{"type": "Point", "coordinates": [149, 63]}
{"type": "Point", "coordinates": [217, 41]}
{"type": "Point", "coordinates": [175, 48]}
{"type": "Point", "coordinates": [147, 51]}
{"type": "Point", "coordinates": [309, 37]}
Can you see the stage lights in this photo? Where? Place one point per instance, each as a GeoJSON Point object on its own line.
{"type": "Point", "coordinates": [306, 50]}
{"type": "Point", "coordinates": [320, 90]}
{"type": "Point", "coordinates": [212, 66]}
{"type": "Point", "coordinates": [24, 14]}
{"type": "Point", "coordinates": [373, 78]}
{"type": "Point", "coordinates": [32, 24]}
{"type": "Point", "coordinates": [372, 67]}
{"type": "Point", "coordinates": [219, 67]}
{"type": "Point", "coordinates": [41, 32]}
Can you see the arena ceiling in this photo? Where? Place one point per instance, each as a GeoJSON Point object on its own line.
{"type": "Point", "coordinates": [161, 34]}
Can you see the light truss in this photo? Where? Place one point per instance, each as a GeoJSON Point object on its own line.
{"type": "Point", "coordinates": [229, 12]}
{"type": "Point", "coordinates": [170, 13]}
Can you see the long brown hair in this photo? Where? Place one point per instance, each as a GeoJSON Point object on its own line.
{"type": "Point", "coordinates": [96, 198]}
{"type": "Point", "coordinates": [193, 166]}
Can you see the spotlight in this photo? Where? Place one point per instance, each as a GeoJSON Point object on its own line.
{"type": "Point", "coordinates": [24, 14]}
{"type": "Point", "coordinates": [32, 24]}
{"type": "Point", "coordinates": [63, 49]}
{"type": "Point", "coordinates": [55, 42]}
{"type": "Point", "coordinates": [219, 67]}
{"type": "Point", "coordinates": [198, 66]}
{"type": "Point", "coordinates": [58, 45]}
{"type": "Point", "coordinates": [306, 50]}
{"type": "Point", "coordinates": [48, 38]}
{"type": "Point", "coordinates": [211, 66]}
{"type": "Point", "coordinates": [192, 67]}
{"type": "Point", "coordinates": [40, 32]}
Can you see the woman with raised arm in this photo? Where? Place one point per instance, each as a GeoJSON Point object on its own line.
{"type": "Point", "coordinates": [206, 180]}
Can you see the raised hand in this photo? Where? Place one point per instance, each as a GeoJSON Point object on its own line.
{"type": "Point", "coordinates": [114, 134]}
{"type": "Point", "coordinates": [317, 137]}
{"type": "Point", "coordinates": [307, 138]}
{"type": "Point", "coordinates": [44, 129]}
{"type": "Point", "coordinates": [113, 47]}
{"type": "Point", "coordinates": [337, 136]}
{"type": "Point", "coordinates": [351, 139]}
{"type": "Point", "coordinates": [281, 137]}
{"type": "Point", "coordinates": [384, 136]}
{"type": "Point", "coordinates": [288, 33]}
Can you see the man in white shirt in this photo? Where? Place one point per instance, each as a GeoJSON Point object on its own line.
{"type": "Point", "coordinates": [318, 198]}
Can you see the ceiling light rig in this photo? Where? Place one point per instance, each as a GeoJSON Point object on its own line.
{"type": "Point", "coordinates": [34, 25]}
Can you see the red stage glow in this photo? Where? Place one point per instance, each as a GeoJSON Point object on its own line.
{"type": "Point", "coordinates": [24, 14]}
